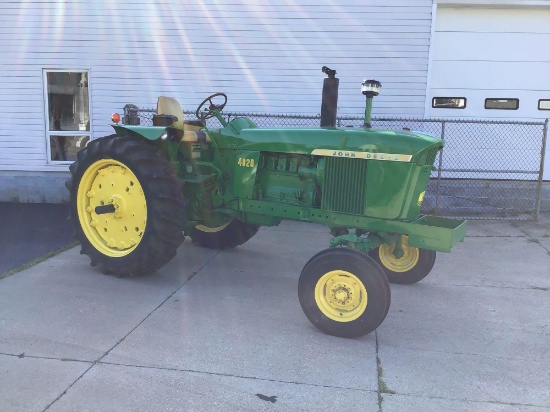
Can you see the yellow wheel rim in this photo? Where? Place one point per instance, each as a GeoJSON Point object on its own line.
{"type": "Point", "coordinates": [341, 296]}
{"type": "Point", "coordinates": [207, 229]}
{"type": "Point", "coordinates": [408, 261]}
{"type": "Point", "coordinates": [110, 182]}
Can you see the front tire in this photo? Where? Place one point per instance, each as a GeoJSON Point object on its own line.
{"type": "Point", "coordinates": [126, 205]}
{"type": "Point", "coordinates": [344, 293]}
{"type": "Point", "coordinates": [412, 267]}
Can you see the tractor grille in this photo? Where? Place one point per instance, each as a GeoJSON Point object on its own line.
{"type": "Point", "coordinates": [345, 185]}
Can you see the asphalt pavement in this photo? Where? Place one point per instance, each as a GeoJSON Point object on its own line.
{"type": "Point", "coordinates": [224, 331]}
{"type": "Point", "coordinates": [30, 231]}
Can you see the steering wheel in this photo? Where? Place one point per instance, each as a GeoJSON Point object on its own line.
{"type": "Point", "coordinates": [208, 113]}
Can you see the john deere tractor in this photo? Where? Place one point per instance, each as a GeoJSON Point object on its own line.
{"type": "Point", "coordinates": [134, 194]}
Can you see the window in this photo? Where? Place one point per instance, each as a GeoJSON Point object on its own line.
{"type": "Point", "coordinates": [544, 104]}
{"type": "Point", "coordinates": [449, 102]}
{"type": "Point", "coordinates": [502, 104]}
{"type": "Point", "coordinates": [67, 113]}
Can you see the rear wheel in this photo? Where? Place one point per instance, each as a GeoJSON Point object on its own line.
{"type": "Point", "coordinates": [126, 205]}
{"type": "Point", "coordinates": [222, 233]}
{"type": "Point", "coordinates": [412, 267]}
{"type": "Point", "coordinates": [344, 293]}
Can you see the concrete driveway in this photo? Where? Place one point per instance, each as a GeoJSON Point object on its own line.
{"type": "Point", "coordinates": [223, 330]}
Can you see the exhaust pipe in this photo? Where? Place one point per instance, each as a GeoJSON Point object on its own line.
{"type": "Point", "coordinates": [329, 103]}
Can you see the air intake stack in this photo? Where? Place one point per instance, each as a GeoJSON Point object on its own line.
{"type": "Point", "coordinates": [370, 89]}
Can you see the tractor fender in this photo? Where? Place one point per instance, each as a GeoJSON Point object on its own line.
{"type": "Point", "coordinates": [148, 132]}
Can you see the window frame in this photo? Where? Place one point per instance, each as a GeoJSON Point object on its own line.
{"type": "Point", "coordinates": [69, 133]}
{"type": "Point", "coordinates": [501, 108]}
{"type": "Point", "coordinates": [452, 108]}
{"type": "Point", "coordinates": [543, 100]}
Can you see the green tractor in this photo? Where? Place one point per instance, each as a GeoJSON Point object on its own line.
{"type": "Point", "coordinates": [134, 193]}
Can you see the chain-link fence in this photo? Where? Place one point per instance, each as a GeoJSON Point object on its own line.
{"type": "Point", "coordinates": [487, 169]}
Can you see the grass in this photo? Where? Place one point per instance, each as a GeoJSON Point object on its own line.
{"type": "Point", "coordinates": [38, 260]}
{"type": "Point", "coordinates": [382, 387]}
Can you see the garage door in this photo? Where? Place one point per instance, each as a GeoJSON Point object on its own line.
{"type": "Point", "coordinates": [494, 63]}
{"type": "Point", "coordinates": [491, 63]}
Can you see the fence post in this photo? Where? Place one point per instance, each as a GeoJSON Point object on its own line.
{"type": "Point", "coordinates": [439, 169]}
{"type": "Point", "coordinates": [541, 169]}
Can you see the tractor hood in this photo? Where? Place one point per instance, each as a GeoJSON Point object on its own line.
{"type": "Point", "coordinates": [339, 142]}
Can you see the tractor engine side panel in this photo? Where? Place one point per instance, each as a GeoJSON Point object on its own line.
{"type": "Point", "coordinates": [396, 191]}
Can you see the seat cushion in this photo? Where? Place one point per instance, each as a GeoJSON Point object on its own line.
{"type": "Point", "coordinates": [168, 105]}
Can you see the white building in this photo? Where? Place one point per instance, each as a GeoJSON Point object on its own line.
{"type": "Point", "coordinates": [67, 65]}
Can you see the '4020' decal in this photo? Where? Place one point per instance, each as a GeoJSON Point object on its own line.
{"type": "Point", "coordinates": [245, 162]}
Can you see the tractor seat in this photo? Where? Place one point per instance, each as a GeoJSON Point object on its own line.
{"type": "Point", "coordinates": [167, 106]}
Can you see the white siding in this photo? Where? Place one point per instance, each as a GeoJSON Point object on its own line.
{"type": "Point", "coordinates": [266, 55]}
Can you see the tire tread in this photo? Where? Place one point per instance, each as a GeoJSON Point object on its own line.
{"type": "Point", "coordinates": [165, 204]}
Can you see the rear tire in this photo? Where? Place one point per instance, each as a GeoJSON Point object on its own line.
{"type": "Point", "coordinates": [344, 293]}
{"type": "Point", "coordinates": [228, 235]}
{"type": "Point", "coordinates": [138, 225]}
{"type": "Point", "coordinates": [412, 267]}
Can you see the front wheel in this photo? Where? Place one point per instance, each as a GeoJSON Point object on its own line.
{"type": "Point", "coordinates": [126, 205]}
{"type": "Point", "coordinates": [413, 266]}
{"type": "Point", "coordinates": [344, 293]}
